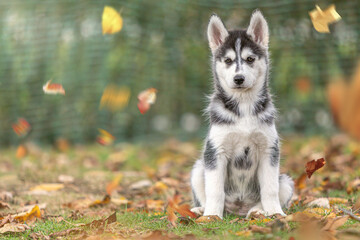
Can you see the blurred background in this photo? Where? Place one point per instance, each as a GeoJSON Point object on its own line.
{"type": "Point", "coordinates": [162, 45]}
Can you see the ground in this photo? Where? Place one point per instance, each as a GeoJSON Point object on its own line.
{"type": "Point", "coordinates": [147, 187]}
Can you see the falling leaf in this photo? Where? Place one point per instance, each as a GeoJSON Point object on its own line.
{"type": "Point", "coordinates": [53, 88]}
{"type": "Point", "coordinates": [322, 19]}
{"type": "Point", "coordinates": [303, 85]}
{"type": "Point", "coordinates": [146, 98]}
{"type": "Point", "coordinates": [105, 138]}
{"type": "Point", "coordinates": [300, 183]}
{"type": "Point", "coordinates": [21, 127]}
{"type": "Point", "coordinates": [115, 98]}
{"type": "Point", "coordinates": [112, 22]}
{"type": "Point", "coordinates": [21, 151]}
{"type": "Point", "coordinates": [48, 187]}
{"type": "Point", "coordinates": [13, 228]}
{"type": "Point", "coordinates": [110, 187]}
{"type": "Point", "coordinates": [313, 165]}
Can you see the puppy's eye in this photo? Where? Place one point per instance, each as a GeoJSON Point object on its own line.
{"type": "Point", "coordinates": [250, 59]}
{"type": "Point", "coordinates": [228, 61]}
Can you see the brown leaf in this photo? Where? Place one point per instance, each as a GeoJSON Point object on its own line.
{"type": "Point", "coordinates": [98, 203]}
{"type": "Point", "coordinates": [66, 232]}
{"type": "Point", "coordinates": [171, 215]}
{"type": "Point", "coordinates": [356, 206]}
{"type": "Point", "coordinates": [4, 205]}
{"type": "Point", "coordinates": [353, 186]}
{"type": "Point", "coordinates": [334, 223]}
{"type": "Point", "coordinates": [208, 219]}
{"type": "Point", "coordinates": [300, 183]}
{"type": "Point", "coordinates": [257, 229]}
{"type": "Point", "coordinates": [313, 165]}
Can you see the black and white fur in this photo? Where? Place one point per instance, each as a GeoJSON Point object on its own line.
{"type": "Point", "coordinates": [239, 169]}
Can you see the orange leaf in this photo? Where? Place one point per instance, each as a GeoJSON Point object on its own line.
{"type": "Point", "coordinates": [105, 138]}
{"type": "Point", "coordinates": [207, 219]}
{"type": "Point", "coordinates": [300, 183]}
{"type": "Point", "coordinates": [146, 98]}
{"type": "Point", "coordinates": [21, 127]}
{"type": "Point", "coordinates": [53, 88]}
{"type": "Point", "coordinates": [21, 151]}
{"type": "Point", "coordinates": [29, 215]}
{"type": "Point", "coordinates": [110, 187]}
{"type": "Point", "coordinates": [98, 203]}
{"type": "Point", "coordinates": [313, 165]}
{"type": "Point", "coordinates": [171, 216]}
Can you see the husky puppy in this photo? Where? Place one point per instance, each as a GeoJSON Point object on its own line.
{"type": "Point", "coordinates": [239, 169]}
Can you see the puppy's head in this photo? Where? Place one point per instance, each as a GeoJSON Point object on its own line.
{"type": "Point", "coordinates": [240, 56]}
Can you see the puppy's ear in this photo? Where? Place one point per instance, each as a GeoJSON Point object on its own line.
{"type": "Point", "coordinates": [258, 29]}
{"type": "Point", "coordinates": [216, 32]}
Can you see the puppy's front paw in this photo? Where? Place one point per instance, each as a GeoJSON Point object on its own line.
{"type": "Point", "coordinates": [198, 210]}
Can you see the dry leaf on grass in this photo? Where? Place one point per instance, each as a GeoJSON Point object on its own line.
{"type": "Point", "coordinates": [319, 202]}
{"type": "Point", "coordinates": [87, 202]}
{"type": "Point", "coordinates": [353, 186]}
{"type": "Point", "coordinates": [29, 215]}
{"type": "Point", "coordinates": [334, 223]}
{"type": "Point", "coordinates": [257, 229]}
{"type": "Point", "coordinates": [208, 219]}
{"type": "Point", "coordinates": [173, 207]}
{"type": "Point", "coordinates": [14, 228]}
{"type": "Point", "coordinates": [66, 233]}
{"type": "Point", "coordinates": [47, 187]}
{"type": "Point", "coordinates": [65, 179]}
{"type": "Point", "coordinates": [356, 206]}
{"type": "Point", "coordinates": [313, 165]}
{"type": "Point", "coordinates": [333, 201]}
{"type": "Point", "coordinates": [4, 205]}
{"type": "Point", "coordinates": [244, 233]}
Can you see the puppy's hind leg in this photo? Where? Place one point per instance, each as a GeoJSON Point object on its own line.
{"type": "Point", "coordinates": [198, 187]}
{"type": "Point", "coordinates": [286, 190]}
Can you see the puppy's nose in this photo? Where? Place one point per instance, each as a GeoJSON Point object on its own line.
{"type": "Point", "coordinates": [239, 79]}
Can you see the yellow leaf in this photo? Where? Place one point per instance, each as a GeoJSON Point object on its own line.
{"type": "Point", "coordinates": [29, 215]}
{"type": "Point", "coordinates": [256, 221]}
{"type": "Point", "coordinates": [322, 19]}
{"type": "Point", "coordinates": [245, 233]}
{"type": "Point", "coordinates": [208, 219]}
{"type": "Point", "coordinates": [337, 200]}
{"type": "Point", "coordinates": [112, 22]}
{"type": "Point", "coordinates": [48, 187]}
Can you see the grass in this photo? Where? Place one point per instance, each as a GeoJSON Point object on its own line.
{"type": "Point", "coordinates": [90, 167]}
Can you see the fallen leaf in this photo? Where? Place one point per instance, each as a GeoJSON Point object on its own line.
{"type": "Point", "coordinates": [112, 22]}
{"type": "Point", "coordinates": [4, 205]}
{"type": "Point", "coordinates": [65, 179]}
{"type": "Point", "coordinates": [319, 202]}
{"type": "Point", "coordinates": [105, 138]}
{"type": "Point", "coordinates": [322, 19]}
{"type": "Point", "coordinates": [6, 196]}
{"type": "Point", "coordinates": [333, 201]}
{"type": "Point", "coordinates": [334, 223]}
{"type": "Point", "coordinates": [208, 219]}
{"type": "Point", "coordinates": [356, 206]}
{"type": "Point", "coordinates": [257, 229]}
{"type": "Point", "coordinates": [66, 233]}
{"type": "Point", "coordinates": [47, 187]}
{"type": "Point", "coordinates": [53, 88]}
{"type": "Point", "coordinates": [154, 204]}
{"type": "Point", "coordinates": [257, 221]}
{"type": "Point", "coordinates": [29, 215]}
{"type": "Point", "coordinates": [21, 127]}
{"type": "Point", "coordinates": [98, 203]}
{"type": "Point", "coordinates": [110, 187]}
{"type": "Point", "coordinates": [121, 201]}
{"type": "Point", "coordinates": [14, 228]}
{"type": "Point", "coordinates": [353, 186]}
{"type": "Point", "coordinates": [146, 98]}
{"type": "Point", "coordinates": [313, 165]}
{"type": "Point", "coordinates": [244, 233]}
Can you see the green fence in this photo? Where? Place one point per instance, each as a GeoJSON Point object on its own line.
{"type": "Point", "coordinates": [163, 45]}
